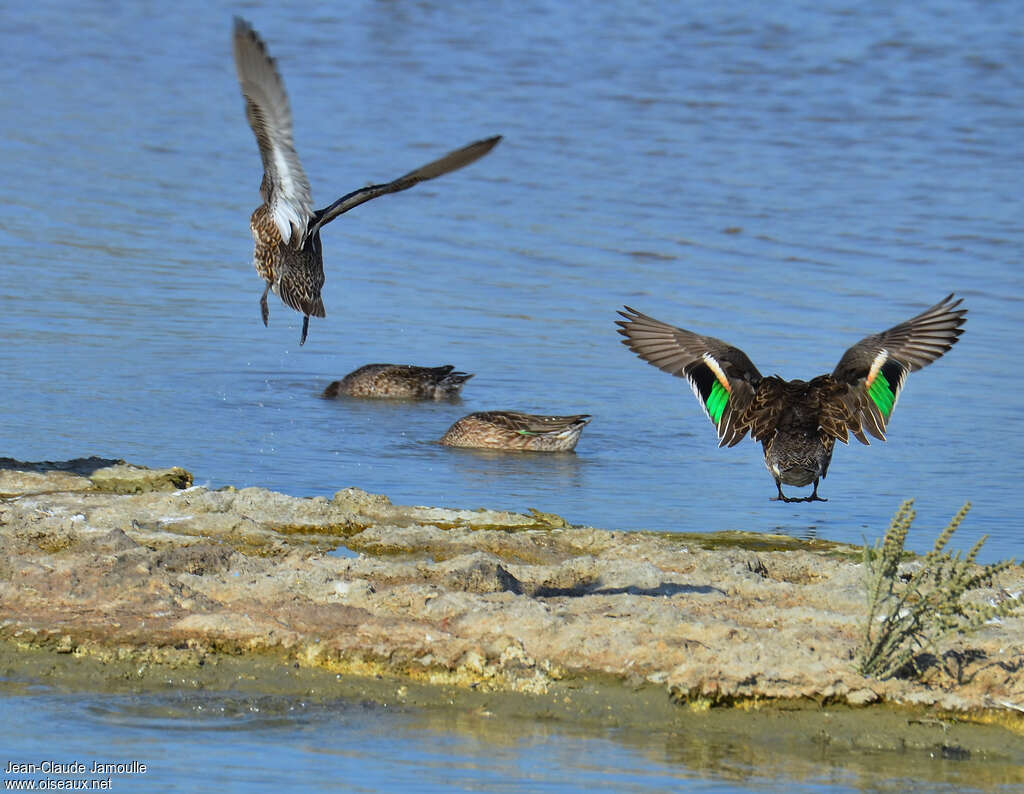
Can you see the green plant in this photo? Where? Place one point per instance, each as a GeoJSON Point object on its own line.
{"type": "Point", "coordinates": [914, 611]}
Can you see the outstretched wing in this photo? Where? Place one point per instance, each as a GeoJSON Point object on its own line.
{"type": "Point", "coordinates": [875, 369]}
{"type": "Point", "coordinates": [285, 188]}
{"type": "Point", "coordinates": [450, 162]}
{"type": "Point", "coordinates": [722, 377]}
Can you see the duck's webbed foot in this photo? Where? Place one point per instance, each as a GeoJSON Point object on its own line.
{"type": "Point", "coordinates": [791, 499]}
{"type": "Point", "coordinates": [264, 309]}
{"type": "Point", "coordinates": [782, 497]}
{"type": "Point", "coordinates": [814, 495]}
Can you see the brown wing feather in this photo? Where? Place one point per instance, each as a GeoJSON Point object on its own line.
{"type": "Point", "coordinates": [764, 410]}
{"type": "Point", "coordinates": [702, 360]}
{"type": "Point", "coordinates": [837, 416]}
{"type": "Point", "coordinates": [914, 343]}
{"type": "Point", "coordinates": [874, 370]}
{"type": "Point", "coordinates": [450, 162]}
{"type": "Point", "coordinates": [285, 188]}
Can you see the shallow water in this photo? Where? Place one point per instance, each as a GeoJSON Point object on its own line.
{"type": "Point", "coordinates": [788, 177]}
{"type": "Point", "coordinates": [228, 741]}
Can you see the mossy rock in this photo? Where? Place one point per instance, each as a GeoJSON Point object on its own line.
{"type": "Point", "coordinates": [126, 479]}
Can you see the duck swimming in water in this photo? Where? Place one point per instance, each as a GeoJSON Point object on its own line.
{"type": "Point", "coordinates": [400, 382]}
{"type": "Point", "coordinates": [515, 430]}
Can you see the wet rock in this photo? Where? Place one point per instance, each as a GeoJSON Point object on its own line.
{"type": "Point", "coordinates": [198, 559]}
{"type": "Point", "coordinates": [488, 600]}
{"type": "Point", "coordinates": [22, 477]}
{"type": "Point", "coordinates": [84, 474]}
{"type": "Point", "coordinates": [125, 478]}
{"type": "Point", "coordinates": [478, 573]}
{"type": "Point", "coordinates": [115, 540]}
{"type": "Point", "coordinates": [356, 500]}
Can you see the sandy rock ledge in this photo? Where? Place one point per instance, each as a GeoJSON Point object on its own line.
{"type": "Point", "coordinates": [110, 561]}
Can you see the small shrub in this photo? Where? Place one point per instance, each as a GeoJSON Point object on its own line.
{"type": "Point", "coordinates": [914, 612]}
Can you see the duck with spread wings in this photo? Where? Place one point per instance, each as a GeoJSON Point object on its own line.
{"type": "Point", "coordinates": [797, 422]}
{"type": "Point", "coordinates": [286, 229]}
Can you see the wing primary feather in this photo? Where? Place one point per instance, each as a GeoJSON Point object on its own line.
{"type": "Point", "coordinates": [450, 162]}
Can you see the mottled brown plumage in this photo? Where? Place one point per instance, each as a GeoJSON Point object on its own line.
{"type": "Point", "coordinates": [286, 230]}
{"type": "Point", "coordinates": [400, 382]}
{"type": "Point", "coordinates": [514, 430]}
{"type": "Point", "coordinates": [797, 422]}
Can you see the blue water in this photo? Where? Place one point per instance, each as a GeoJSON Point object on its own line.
{"type": "Point", "coordinates": [789, 177]}
{"type": "Point", "coordinates": [214, 742]}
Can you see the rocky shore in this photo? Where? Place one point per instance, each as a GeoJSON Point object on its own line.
{"type": "Point", "coordinates": [118, 565]}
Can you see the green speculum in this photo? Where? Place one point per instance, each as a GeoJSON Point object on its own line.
{"type": "Point", "coordinates": [716, 401]}
{"type": "Point", "coordinates": [882, 394]}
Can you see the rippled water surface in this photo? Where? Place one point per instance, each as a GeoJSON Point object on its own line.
{"type": "Point", "coordinates": [226, 741]}
{"type": "Point", "coordinates": [789, 180]}
{"type": "Point", "coordinates": [789, 177]}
